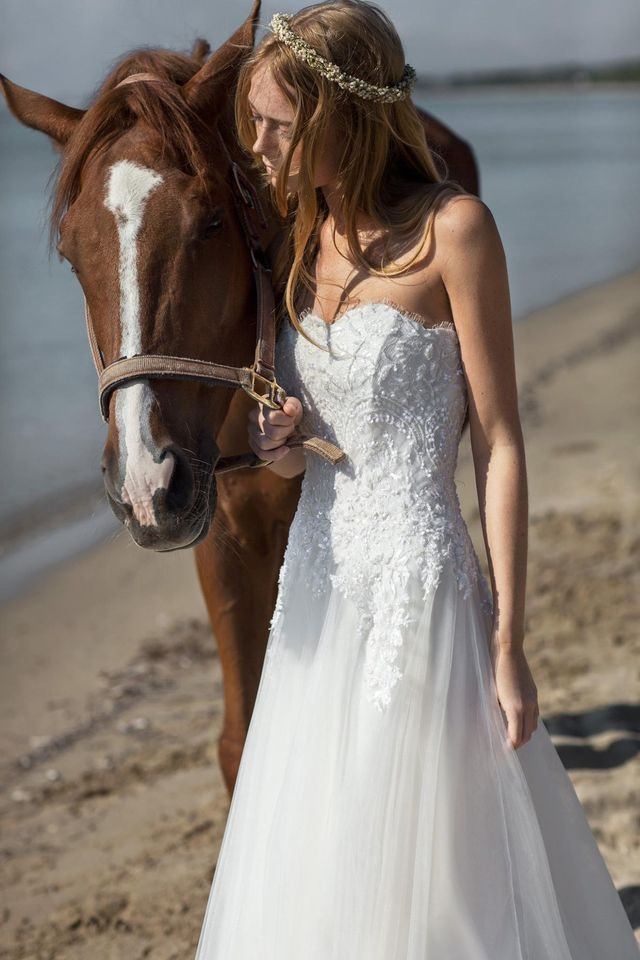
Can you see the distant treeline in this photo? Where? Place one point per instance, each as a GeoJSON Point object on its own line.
{"type": "Point", "coordinates": [619, 71]}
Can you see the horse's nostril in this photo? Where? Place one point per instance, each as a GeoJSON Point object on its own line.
{"type": "Point", "coordinates": [180, 490]}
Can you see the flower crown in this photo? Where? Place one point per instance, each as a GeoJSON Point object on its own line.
{"type": "Point", "coordinates": [279, 25]}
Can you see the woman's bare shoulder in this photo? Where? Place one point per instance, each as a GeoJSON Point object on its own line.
{"type": "Point", "coordinates": [463, 217]}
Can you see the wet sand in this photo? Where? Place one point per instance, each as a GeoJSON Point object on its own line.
{"type": "Point", "coordinates": [113, 806]}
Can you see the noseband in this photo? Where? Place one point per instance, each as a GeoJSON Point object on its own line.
{"type": "Point", "coordinates": [257, 380]}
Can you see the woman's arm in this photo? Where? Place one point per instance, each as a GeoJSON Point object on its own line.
{"type": "Point", "coordinates": [474, 272]}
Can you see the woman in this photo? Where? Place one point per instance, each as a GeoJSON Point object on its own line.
{"type": "Point", "coordinates": [396, 796]}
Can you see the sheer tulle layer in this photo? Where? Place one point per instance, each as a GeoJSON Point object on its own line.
{"type": "Point", "coordinates": [417, 834]}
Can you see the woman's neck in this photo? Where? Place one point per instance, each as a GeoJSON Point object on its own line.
{"type": "Point", "coordinates": [335, 219]}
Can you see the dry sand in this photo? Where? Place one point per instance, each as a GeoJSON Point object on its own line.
{"type": "Point", "coordinates": [113, 806]}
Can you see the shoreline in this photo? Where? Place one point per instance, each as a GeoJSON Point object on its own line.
{"type": "Point", "coordinates": [111, 704]}
{"type": "Point", "coordinates": [48, 534]}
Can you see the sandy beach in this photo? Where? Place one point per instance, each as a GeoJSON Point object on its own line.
{"type": "Point", "coordinates": [112, 803]}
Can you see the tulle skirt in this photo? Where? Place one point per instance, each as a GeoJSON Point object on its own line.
{"type": "Point", "coordinates": [414, 834]}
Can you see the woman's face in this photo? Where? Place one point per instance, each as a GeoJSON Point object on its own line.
{"type": "Point", "coordinates": [273, 121]}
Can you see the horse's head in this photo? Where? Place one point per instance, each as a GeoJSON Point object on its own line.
{"type": "Point", "coordinates": [143, 211]}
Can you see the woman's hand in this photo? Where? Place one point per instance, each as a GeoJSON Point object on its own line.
{"type": "Point", "coordinates": [517, 694]}
{"type": "Point", "coordinates": [268, 428]}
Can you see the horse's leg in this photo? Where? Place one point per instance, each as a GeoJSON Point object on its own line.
{"type": "Point", "coordinates": [238, 565]}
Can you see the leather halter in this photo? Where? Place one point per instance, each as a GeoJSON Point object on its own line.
{"type": "Point", "coordinates": [257, 380]}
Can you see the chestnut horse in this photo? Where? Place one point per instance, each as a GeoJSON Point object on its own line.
{"type": "Point", "coordinates": [143, 211]}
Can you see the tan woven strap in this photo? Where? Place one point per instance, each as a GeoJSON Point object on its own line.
{"type": "Point", "coordinates": [324, 448]}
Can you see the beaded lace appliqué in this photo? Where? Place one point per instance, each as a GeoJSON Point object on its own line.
{"type": "Point", "coordinates": [391, 393]}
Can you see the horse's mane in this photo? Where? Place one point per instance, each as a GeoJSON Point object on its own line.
{"type": "Point", "coordinates": [181, 132]}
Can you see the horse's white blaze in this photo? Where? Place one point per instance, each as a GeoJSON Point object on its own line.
{"type": "Point", "coordinates": [128, 186]}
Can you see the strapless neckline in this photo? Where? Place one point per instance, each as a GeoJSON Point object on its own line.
{"type": "Point", "coordinates": [414, 319]}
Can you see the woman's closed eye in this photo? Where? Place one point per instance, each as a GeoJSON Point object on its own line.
{"type": "Point", "coordinates": [284, 127]}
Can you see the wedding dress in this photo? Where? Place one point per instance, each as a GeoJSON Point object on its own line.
{"type": "Point", "coordinates": [379, 811]}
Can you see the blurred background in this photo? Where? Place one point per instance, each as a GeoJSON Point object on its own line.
{"type": "Point", "coordinates": [110, 696]}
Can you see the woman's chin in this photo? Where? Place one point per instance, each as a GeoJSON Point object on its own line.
{"type": "Point", "coordinates": [272, 174]}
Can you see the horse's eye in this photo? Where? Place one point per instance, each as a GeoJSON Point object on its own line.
{"type": "Point", "coordinates": [214, 225]}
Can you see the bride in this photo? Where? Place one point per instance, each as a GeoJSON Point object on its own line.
{"type": "Point", "coordinates": [397, 798]}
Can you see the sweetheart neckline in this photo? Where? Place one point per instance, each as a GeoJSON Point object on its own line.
{"type": "Point", "coordinates": [405, 314]}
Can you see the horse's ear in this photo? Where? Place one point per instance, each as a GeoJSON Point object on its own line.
{"type": "Point", "coordinates": [200, 50]}
{"type": "Point", "coordinates": [212, 80]}
{"type": "Point", "coordinates": [42, 113]}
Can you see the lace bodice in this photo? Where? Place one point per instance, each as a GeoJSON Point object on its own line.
{"type": "Point", "coordinates": [391, 394]}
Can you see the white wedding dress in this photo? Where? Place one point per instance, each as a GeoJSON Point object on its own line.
{"type": "Point", "coordinates": [379, 811]}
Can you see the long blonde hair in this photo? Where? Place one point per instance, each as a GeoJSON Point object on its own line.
{"type": "Point", "coordinates": [386, 171]}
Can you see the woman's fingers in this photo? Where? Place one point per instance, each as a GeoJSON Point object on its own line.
{"type": "Point", "coordinates": [280, 422]}
{"type": "Point", "coordinates": [268, 428]}
{"type": "Point", "coordinates": [262, 443]}
{"type": "Point", "coordinates": [532, 722]}
{"type": "Point", "coordinates": [287, 416]}
{"type": "Point", "coordinates": [521, 723]}
{"type": "Point", "coordinates": [514, 725]}
{"type": "Point", "coordinates": [517, 694]}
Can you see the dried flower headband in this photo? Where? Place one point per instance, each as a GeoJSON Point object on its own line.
{"type": "Point", "coordinates": [279, 25]}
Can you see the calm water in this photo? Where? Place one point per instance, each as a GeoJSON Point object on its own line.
{"type": "Point", "coordinates": [559, 170]}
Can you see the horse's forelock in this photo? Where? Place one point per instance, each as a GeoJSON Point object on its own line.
{"type": "Point", "coordinates": [168, 64]}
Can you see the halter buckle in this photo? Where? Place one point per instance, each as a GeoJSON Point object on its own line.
{"type": "Point", "coordinates": [275, 395]}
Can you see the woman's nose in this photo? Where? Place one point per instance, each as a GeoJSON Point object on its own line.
{"type": "Point", "coordinates": [260, 142]}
